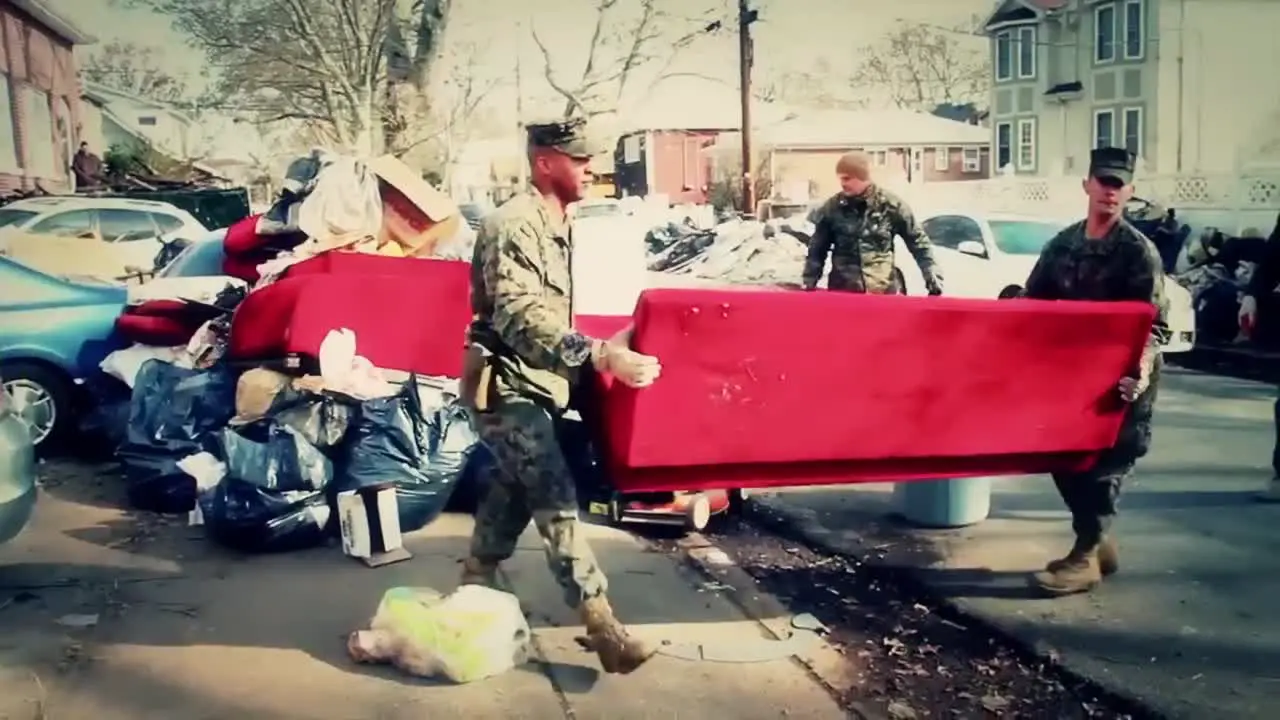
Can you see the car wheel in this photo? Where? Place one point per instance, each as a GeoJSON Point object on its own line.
{"type": "Point", "coordinates": [42, 398]}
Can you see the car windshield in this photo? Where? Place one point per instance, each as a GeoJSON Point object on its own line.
{"type": "Point", "coordinates": [1023, 237]}
{"type": "Point", "coordinates": [202, 258]}
{"type": "Point", "coordinates": [13, 217]}
{"type": "Point", "coordinates": [597, 210]}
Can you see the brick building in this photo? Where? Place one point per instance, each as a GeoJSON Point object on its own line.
{"type": "Point", "coordinates": [39, 96]}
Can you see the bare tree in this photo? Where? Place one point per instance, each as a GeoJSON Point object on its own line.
{"type": "Point", "coordinates": [922, 66]}
{"type": "Point", "coordinates": [328, 63]}
{"type": "Point", "coordinates": [431, 128]}
{"type": "Point", "coordinates": [627, 38]}
{"type": "Point", "coordinates": [134, 69]}
{"type": "Point", "coordinates": [821, 87]}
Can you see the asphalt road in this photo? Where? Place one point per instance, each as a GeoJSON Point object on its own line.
{"type": "Point", "coordinates": [1189, 625]}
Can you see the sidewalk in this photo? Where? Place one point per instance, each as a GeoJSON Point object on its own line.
{"type": "Point", "coordinates": [184, 630]}
{"type": "Point", "coordinates": [1189, 626]}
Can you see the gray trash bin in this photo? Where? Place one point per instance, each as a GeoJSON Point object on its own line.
{"type": "Point", "coordinates": [944, 503]}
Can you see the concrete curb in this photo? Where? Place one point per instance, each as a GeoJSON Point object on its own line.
{"type": "Point", "coordinates": [910, 554]}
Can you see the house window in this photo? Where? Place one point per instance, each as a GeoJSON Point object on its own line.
{"type": "Point", "coordinates": [41, 156]}
{"type": "Point", "coordinates": [1004, 145]}
{"type": "Point", "coordinates": [941, 159]}
{"type": "Point", "coordinates": [631, 149]}
{"type": "Point", "coordinates": [1026, 52]}
{"type": "Point", "coordinates": [1104, 129]}
{"type": "Point", "coordinates": [972, 160]}
{"type": "Point", "coordinates": [148, 120]}
{"type": "Point", "coordinates": [1134, 30]}
{"type": "Point", "coordinates": [1004, 56]}
{"type": "Point", "coordinates": [1027, 144]}
{"type": "Point", "coordinates": [1133, 130]}
{"type": "Point", "coordinates": [880, 158]}
{"type": "Point", "coordinates": [9, 160]}
{"type": "Point", "coordinates": [1104, 34]}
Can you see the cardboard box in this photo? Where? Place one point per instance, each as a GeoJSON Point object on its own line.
{"type": "Point", "coordinates": [370, 522]}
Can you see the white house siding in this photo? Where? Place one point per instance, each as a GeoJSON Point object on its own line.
{"type": "Point", "coordinates": [1226, 83]}
{"type": "Point", "coordinates": [1230, 84]}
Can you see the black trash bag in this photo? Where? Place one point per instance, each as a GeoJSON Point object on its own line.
{"type": "Point", "coordinates": [103, 425]}
{"type": "Point", "coordinates": [248, 518]}
{"type": "Point", "coordinates": [320, 418]}
{"type": "Point", "coordinates": [274, 457]}
{"type": "Point", "coordinates": [174, 413]}
{"type": "Point", "coordinates": [392, 441]}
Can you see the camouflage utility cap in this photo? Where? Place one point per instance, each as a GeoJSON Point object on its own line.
{"type": "Point", "coordinates": [570, 136]}
{"type": "Point", "coordinates": [1112, 162]}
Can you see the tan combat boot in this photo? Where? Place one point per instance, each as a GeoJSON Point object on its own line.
{"type": "Point", "coordinates": [1078, 572]}
{"type": "Point", "coordinates": [1108, 558]}
{"type": "Point", "coordinates": [479, 572]}
{"type": "Point", "coordinates": [606, 637]}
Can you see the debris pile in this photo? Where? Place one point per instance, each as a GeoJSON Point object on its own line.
{"type": "Point", "coordinates": [260, 450]}
{"type": "Point", "coordinates": [739, 252]}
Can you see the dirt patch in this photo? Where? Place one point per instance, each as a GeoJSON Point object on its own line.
{"type": "Point", "coordinates": [910, 656]}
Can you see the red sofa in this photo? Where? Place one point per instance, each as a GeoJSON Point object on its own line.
{"type": "Point", "coordinates": [408, 314]}
{"type": "Point", "coordinates": [767, 389]}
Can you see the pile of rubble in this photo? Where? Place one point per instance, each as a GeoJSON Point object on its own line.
{"type": "Point", "coordinates": [262, 454]}
{"type": "Point", "coordinates": [739, 252]}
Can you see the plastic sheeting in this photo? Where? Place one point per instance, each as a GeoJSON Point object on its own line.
{"type": "Point", "coordinates": [422, 453]}
{"type": "Point", "coordinates": [174, 412]}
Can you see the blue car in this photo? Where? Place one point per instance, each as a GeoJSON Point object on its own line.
{"type": "Point", "coordinates": [54, 333]}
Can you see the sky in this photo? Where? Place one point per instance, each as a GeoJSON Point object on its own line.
{"type": "Point", "coordinates": [790, 39]}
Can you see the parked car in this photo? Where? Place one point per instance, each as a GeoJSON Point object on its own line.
{"type": "Point", "coordinates": [473, 213]}
{"type": "Point", "coordinates": [54, 332]}
{"type": "Point", "coordinates": [17, 470]}
{"type": "Point", "coordinates": [990, 255]}
{"type": "Point", "coordinates": [129, 231]}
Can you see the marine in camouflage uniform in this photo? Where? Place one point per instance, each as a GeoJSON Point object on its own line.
{"type": "Point", "coordinates": [856, 228]}
{"type": "Point", "coordinates": [523, 357]}
{"type": "Point", "coordinates": [1122, 265]}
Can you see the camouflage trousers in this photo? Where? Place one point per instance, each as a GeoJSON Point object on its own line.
{"type": "Point", "coordinates": [1092, 496]}
{"type": "Point", "coordinates": [530, 480]}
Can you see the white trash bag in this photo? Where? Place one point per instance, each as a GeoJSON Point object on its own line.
{"type": "Point", "coordinates": [475, 633]}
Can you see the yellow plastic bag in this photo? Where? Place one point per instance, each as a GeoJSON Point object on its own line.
{"type": "Point", "coordinates": [472, 634]}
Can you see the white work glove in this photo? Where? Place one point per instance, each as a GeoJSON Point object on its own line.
{"type": "Point", "coordinates": [1131, 388]}
{"type": "Point", "coordinates": [1248, 314]}
{"type": "Point", "coordinates": [615, 356]}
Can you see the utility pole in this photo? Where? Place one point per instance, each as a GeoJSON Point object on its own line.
{"type": "Point", "coordinates": [520, 138]}
{"type": "Point", "coordinates": [746, 16]}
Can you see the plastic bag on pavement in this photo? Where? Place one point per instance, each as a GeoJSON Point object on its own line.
{"type": "Point", "coordinates": [125, 364]}
{"type": "Point", "coordinates": [394, 440]}
{"type": "Point", "coordinates": [174, 413]}
{"type": "Point", "coordinates": [274, 457]}
{"type": "Point", "coordinates": [475, 633]}
{"type": "Point", "coordinates": [248, 518]}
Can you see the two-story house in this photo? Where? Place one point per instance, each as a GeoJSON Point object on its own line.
{"type": "Point", "coordinates": [39, 115]}
{"type": "Point", "coordinates": [1188, 85]}
{"type": "Point", "coordinates": [114, 117]}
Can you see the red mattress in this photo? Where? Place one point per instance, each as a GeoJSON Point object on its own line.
{"type": "Point", "coordinates": [411, 321]}
{"type": "Point", "coordinates": [769, 389]}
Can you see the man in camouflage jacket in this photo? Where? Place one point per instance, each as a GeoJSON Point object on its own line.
{"type": "Point", "coordinates": [522, 358]}
{"type": "Point", "coordinates": [1103, 258]}
{"type": "Point", "coordinates": [856, 227]}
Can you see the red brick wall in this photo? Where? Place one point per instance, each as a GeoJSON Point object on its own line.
{"type": "Point", "coordinates": [681, 169]}
{"type": "Point", "coordinates": [31, 55]}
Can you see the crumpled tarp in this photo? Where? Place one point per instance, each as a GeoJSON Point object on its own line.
{"type": "Point", "coordinates": [739, 252]}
